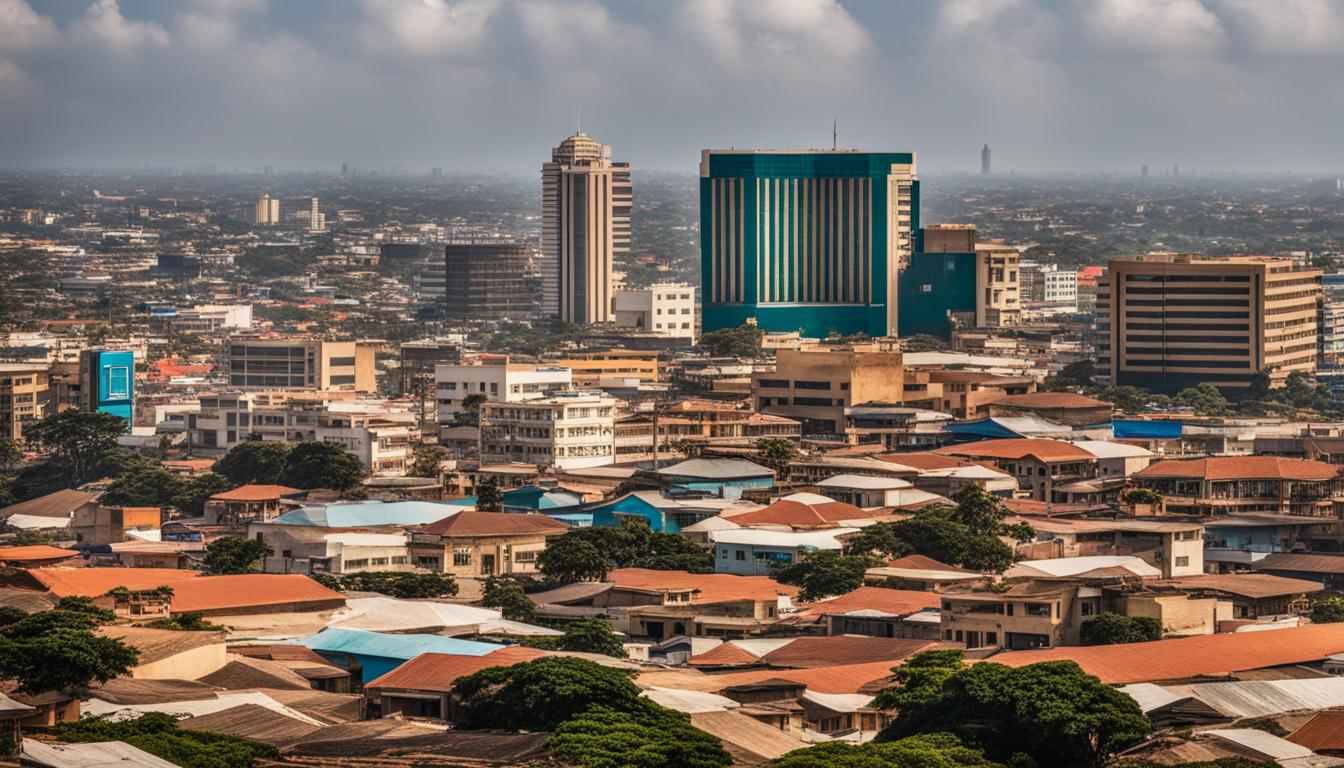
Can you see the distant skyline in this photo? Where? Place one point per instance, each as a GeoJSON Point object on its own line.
{"type": "Point", "coordinates": [492, 85]}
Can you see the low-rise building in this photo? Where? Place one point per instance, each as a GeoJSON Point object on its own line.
{"type": "Point", "coordinates": [1221, 485]}
{"type": "Point", "coordinates": [591, 368]}
{"type": "Point", "coordinates": [24, 397]}
{"type": "Point", "coordinates": [1038, 464]}
{"type": "Point", "coordinates": [666, 309]}
{"type": "Point", "coordinates": [495, 378]}
{"type": "Point", "coordinates": [815, 385]}
{"type": "Point", "coordinates": [567, 430]}
{"type": "Point", "coordinates": [473, 543]}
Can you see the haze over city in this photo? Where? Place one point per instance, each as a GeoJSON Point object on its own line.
{"type": "Point", "coordinates": [477, 85]}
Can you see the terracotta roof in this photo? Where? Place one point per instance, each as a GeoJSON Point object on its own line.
{"type": "Point", "coordinates": [472, 523]}
{"type": "Point", "coordinates": [192, 464]}
{"type": "Point", "coordinates": [1324, 731]}
{"type": "Point", "coordinates": [1242, 468]}
{"type": "Point", "coordinates": [847, 678]}
{"type": "Point", "coordinates": [1190, 657]}
{"type": "Point", "coordinates": [57, 504]}
{"type": "Point", "coordinates": [841, 650]}
{"type": "Point", "coordinates": [925, 460]}
{"type": "Point", "coordinates": [1019, 447]}
{"type": "Point", "coordinates": [439, 671]}
{"type": "Point", "coordinates": [1302, 563]}
{"type": "Point", "coordinates": [35, 552]}
{"type": "Point", "coordinates": [724, 655]}
{"type": "Point", "coordinates": [1252, 585]}
{"type": "Point", "coordinates": [96, 582]}
{"type": "Point", "coordinates": [214, 593]}
{"type": "Point", "coordinates": [279, 653]}
{"type": "Point", "coordinates": [255, 493]}
{"type": "Point", "coordinates": [796, 514]}
{"type": "Point", "coordinates": [1051, 400]}
{"type": "Point", "coordinates": [711, 587]}
{"type": "Point", "coordinates": [923, 563]}
{"type": "Point", "coordinates": [899, 602]}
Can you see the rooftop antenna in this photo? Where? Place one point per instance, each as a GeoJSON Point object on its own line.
{"type": "Point", "coordinates": [578, 119]}
{"type": "Point", "coordinates": [835, 122]}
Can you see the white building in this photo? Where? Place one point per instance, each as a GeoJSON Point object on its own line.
{"type": "Point", "coordinates": [667, 309]}
{"type": "Point", "coordinates": [496, 378]}
{"type": "Point", "coordinates": [213, 317]}
{"type": "Point", "coordinates": [317, 221]}
{"type": "Point", "coordinates": [1048, 289]}
{"type": "Point", "coordinates": [569, 430]}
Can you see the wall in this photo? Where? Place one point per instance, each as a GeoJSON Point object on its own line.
{"type": "Point", "coordinates": [187, 665]}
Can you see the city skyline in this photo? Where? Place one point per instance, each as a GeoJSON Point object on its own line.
{"type": "Point", "coordinates": [378, 85]}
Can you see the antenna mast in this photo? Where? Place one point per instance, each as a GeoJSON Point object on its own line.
{"type": "Point", "coordinates": [835, 122]}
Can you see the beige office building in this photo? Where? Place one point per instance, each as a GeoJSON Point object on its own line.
{"type": "Point", "coordinates": [267, 211]}
{"type": "Point", "coordinates": [24, 397]}
{"type": "Point", "coordinates": [1170, 321]}
{"type": "Point", "coordinates": [300, 364]}
{"type": "Point", "coordinates": [585, 226]}
{"type": "Point", "coordinates": [815, 385]}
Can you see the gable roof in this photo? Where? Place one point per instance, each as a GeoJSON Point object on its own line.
{"type": "Point", "coordinates": [255, 493]}
{"type": "Point", "coordinates": [840, 650]}
{"type": "Point", "coordinates": [709, 587]}
{"type": "Point", "coordinates": [894, 602]}
{"type": "Point", "coordinates": [59, 504]}
{"type": "Point", "coordinates": [472, 523]}
{"type": "Point", "coordinates": [1324, 731]}
{"type": "Point", "coordinates": [1191, 657]}
{"type": "Point", "coordinates": [1043, 449]}
{"type": "Point", "coordinates": [439, 671]}
{"type": "Point", "coordinates": [724, 655]}
{"type": "Point", "coordinates": [1242, 468]}
{"type": "Point", "coordinates": [1072, 567]}
{"type": "Point", "coordinates": [1304, 563]}
{"type": "Point", "coordinates": [797, 514]}
{"type": "Point", "coordinates": [96, 582]}
{"type": "Point", "coordinates": [925, 460]}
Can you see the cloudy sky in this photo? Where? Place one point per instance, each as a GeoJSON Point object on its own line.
{"type": "Point", "coordinates": [1052, 85]}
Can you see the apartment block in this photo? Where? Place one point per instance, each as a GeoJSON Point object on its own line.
{"type": "Point", "coordinates": [666, 309]}
{"type": "Point", "coordinates": [497, 379]}
{"type": "Point", "coordinates": [24, 397]}
{"type": "Point", "coordinates": [255, 363]}
{"type": "Point", "coordinates": [1170, 321]}
{"type": "Point", "coordinates": [1047, 289]}
{"type": "Point", "coordinates": [592, 367]}
{"type": "Point", "coordinates": [568, 430]}
{"type": "Point", "coordinates": [815, 385]}
{"type": "Point", "coordinates": [488, 281]}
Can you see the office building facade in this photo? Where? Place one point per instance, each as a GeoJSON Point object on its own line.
{"type": "Point", "coordinates": [955, 281]}
{"type": "Point", "coordinates": [316, 364]}
{"type": "Point", "coordinates": [809, 241]}
{"type": "Point", "coordinates": [585, 226]}
{"type": "Point", "coordinates": [107, 382]}
{"type": "Point", "coordinates": [1167, 321]}
{"type": "Point", "coordinates": [488, 281]}
{"type": "Point", "coordinates": [24, 397]}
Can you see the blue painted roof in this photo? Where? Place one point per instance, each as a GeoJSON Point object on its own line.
{"type": "Point", "coordinates": [1141, 428]}
{"type": "Point", "coordinates": [358, 642]}
{"type": "Point", "coordinates": [360, 513]}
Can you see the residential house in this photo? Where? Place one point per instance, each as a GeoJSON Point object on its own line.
{"type": "Point", "coordinates": [95, 524]}
{"type": "Point", "coordinates": [1222, 485]}
{"type": "Point", "coordinates": [423, 686]}
{"type": "Point", "coordinates": [761, 552]}
{"type": "Point", "coordinates": [370, 655]}
{"type": "Point", "coordinates": [250, 504]}
{"type": "Point", "coordinates": [1039, 464]}
{"type": "Point", "coordinates": [473, 543]}
{"type": "Point", "coordinates": [877, 612]}
{"type": "Point", "coordinates": [1176, 549]}
{"type": "Point", "coordinates": [717, 476]}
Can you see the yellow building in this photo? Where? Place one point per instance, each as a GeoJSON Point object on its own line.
{"type": "Point", "coordinates": [23, 397]}
{"type": "Point", "coordinates": [815, 384]}
{"type": "Point", "coordinates": [1170, 321]}
{"type": "Point", "coordinates": [300, 363]}
{"type": "Point", "coordinates": [591, 367]}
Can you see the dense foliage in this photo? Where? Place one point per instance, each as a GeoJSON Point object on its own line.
{"type": "Point", "coordinates": [403, 584]}
{"type": "Point", "coordinates": [254, 462]}
{"type": "Point", "coordinates": [234, 554]}
{"type": "Point", "coordinates": [1114, 628]}
{"type": "Point", "coordinates": [583, 636]}
{"type": "Point", "coordinates": [650, 737]}
{"type": "Point", "coordinates": [589, 554]}
{"type": "Point", "coordinates": [158, 734]}
{"type": "Point", "coordinates": [76, 441]}
{"type": "Point", "coordinates": [315, 464]}
{"type": "Point", "coordinates": [776, 453]}
{"type": "Point", "coordinates": [1047, 714]}
{"type": "Point", "coordinates": [508, 597]}
{"type": "Point", "coordinates": [488, 496]}
{"type": "Point", "coordinates": [930, 750]}
{"type": "Point", "coordinates": [58, 650]}
{"type": "Point", "coordinates": [826, 573]}
{"type": "Point", "coordinates": [742, 341]}
{"type": "Point", "coordinates": [141, 483]}
{"type": "Point", "coordinates": [967, 535]}
{"type": "Point", "coordinates": [1328, 610]}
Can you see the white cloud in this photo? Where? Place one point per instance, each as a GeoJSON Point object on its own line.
{"type": "Point", "coordinates": [103, 23]}
{"type": "Point", "coordinates": [783, 37]}
{"type": "Point", "coordinates": [1289, 27]}
{"type": "Point", "coordinates": [23, 29]}
{"type": "Point", "coordinates": [1175, 28]}
{"type": "Point", "coordinates": [582, 29]}
{"type": "Point", "coordinates": [428, 29]}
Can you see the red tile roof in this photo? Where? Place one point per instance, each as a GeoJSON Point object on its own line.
{"type": "Point", "coordinates": [96, 582]}
{"type": "Point", "coordinates": [724, 655]}
{"type": "Point", "coordinates": [1019, 447]}
{"type": "Point", "coordinates": [1190, 657]}
{"type": "Point", "coordinates": [895, 601]}
{"type": "Point", "coordinates": [35, 552]}
{"type": "Point", "coordinates": [842, 650]}
{"type": "Point", "coordinates": [796, 514]}
{"type": "Point", "coordinates": [471, 523]}
{"type": "Point", "coordinates": [255, 493]}
{"type": "Point", "coordinates": [1051, 400]}
{"type": "Point", "coordinates": [439, 671]}
{"type": "Point", "coordinates": [848, 678]}
{"type": "Point", "coordinates": [1242, 468]}
{"type": "Point", "coordinates": [711, 587]}
{"type": "Point", "coordinates": [923, 563]}
{"type": "Point", "coordinates": [250, 590]}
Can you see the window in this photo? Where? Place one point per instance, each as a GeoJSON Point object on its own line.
{"type": "Point", "coordinates": [118, 382]}
{"type": "Point", "coordinates": [741, 554]}
{"type": "Point", "coordinates": [525, 557]}
{"type": "Point", "coordinates": [1181, 562]}
{"type": "Point", "coordinates": [462, 557]}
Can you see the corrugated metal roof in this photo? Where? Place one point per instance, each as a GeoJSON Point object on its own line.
{"type": "Point", "coordinates": [1257, 698]}
{"type": "Point", "coordinates": [370, 513]}
{"type": "Point", "coordinates": [1260, 742]}
{"type": "Point", "coordinates": [360, 643]}
{"type": "Point", "coordinates": [117, 753]}
{"type": "Point", "coordinates": [690, 702]}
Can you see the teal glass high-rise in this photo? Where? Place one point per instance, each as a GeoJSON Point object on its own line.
{"type": "Point", "coordinates": [809, 241]}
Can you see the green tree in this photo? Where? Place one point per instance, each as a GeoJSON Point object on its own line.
{"type": "Point", "coordinates": [234, 554]}
{"type": "Point", "coordinates": [315, 464]}
{"type": "Point", "coordinates": [539, 695]}
{"type": "Point", "coordinates": [826, 573]}
{"type": "Point", "coordinates": [508, 597]}
{"type": "Point", "coordinates": [1204, 400]}
{"type": "Point", "coordinates": [1114, 629]}
{"type": "Point", "coordinates": [651, 737]}
{"type": "Point", "coordinates": [1076, 375]}
{"type": "Point", "coordinates": [1327, 610]}
{"type": "Point", "coordinates": [1125, 398]}
{"type": "Point", "coordinates": [488, 496]}
{"type": "Point", "coordinates": [152, 487]}
{"type": "Point", "coordinates": [197, 490]}
{"type": "Point", "coordinates": [569, 558]}
{"type": "Point", "coordinates": [742, 341]}
{"type": "Point", "coordinates": [471, 407]}
{"type": "Point", "coordinates": [428, 460]}
{"type": "Point", "coordinates": [776, 453]}
{"type": "Point", "coordinates": [589, 554]}
{"type": "Point", "coordinates": [403, 584]}
{"type": "Point", "coordinates": [58, 650]}
{"type": "Point", "coordinates": [920, 679]}
{"type": "Point", "coordinates": [1051, 712]}
{"type": "Point", "coordinates": [929, 750]}
{"type": "Point", "coordinates": [1142, 496]}
{"type": "Point", "coordinates": [254, 462]}
{"type": "Point", "coordinates": [923, 342]}
{"type": "Point", "coordinates": [591, 636]}
{"type": "Point", "coordinates": [76, 441]}
{"type": "Point", "coordinates": [158, 734]}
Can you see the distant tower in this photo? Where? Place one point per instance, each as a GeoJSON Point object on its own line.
{"type": "Point", "coordinates": [267, 210]}
{"type": "Point", "coordinates": [984, 161]}
{"type": "Point", "coordinates": [1144, 171]}
{"type": "Point", "coordinates": [317, 221]}
{"type": "Point", "coordinates": [1176, 170]}
{"type": "Point", "coordinates": [585, 226]}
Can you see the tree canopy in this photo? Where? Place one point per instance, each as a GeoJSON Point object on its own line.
{"type": "Point", "coordinates": [776, 453]}
{"type": "Point", "coordinates": [254, 462]}
{"type": "Point", "coordinates": [315, 464]}
{"type": "Point", "coordinates": [58, 650]}
{"type": "Point", "coordinates": [1328, 610]}
{"type": "Point", "coordinates": [650, 737]}
{"type": "Point", "coordinates": [76, 441]}
{"type": "Point", "coordinates": [583, 636]}
{"type": "Point", "coordinates": [488, 496]}
{"type": "Point", "coordinates": [742, 341]}
{"type": "Point", "coordinates": [589, 554]}
{"type": "Point", "coordinates": [508, 597]}
{"type": "Point", "coordinates": [1114, 629]}
{"type": "Point", "coordinates": [826, 573]}
{"type": "Point", "coordinates": [234, 554]}
{"type": "Point", "coordinates": [158, 734]}
{"type": "Point", "coordinates": [144, 484]}
{"type": "Point", "coordinates": [539, 695]}
{"type": "Point", "coordinates": [967, 535]}
{"type": "Point", "coordinates": [929, 750]}
{"type": "Point", "coordinates": [403, 584]}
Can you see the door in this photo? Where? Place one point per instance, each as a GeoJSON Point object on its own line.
{"type": "Point", "coordinates": [487, 565]}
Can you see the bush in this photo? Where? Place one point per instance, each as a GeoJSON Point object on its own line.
{"type": "Point", "coordinates": [403, 584]}
{"type": "Point", "coordinates": [653, 737]}
{"type": "Point", "coordinates": [931, 750]}
{"type": "Point", "coordinates": [1115, 629]}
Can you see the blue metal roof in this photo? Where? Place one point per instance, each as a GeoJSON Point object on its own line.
{"type": "Point", "coordinates": [987, 428]}
{"type": "Point", "coordinates": [1165, 429]}
{"type": "Point", "coordinates": [361, 513]}
{"type": "Point", "coordinates": [358, 642]}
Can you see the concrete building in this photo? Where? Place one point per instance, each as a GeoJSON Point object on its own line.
{"type": "Point", "coordinates": [208, 318]}
{"type": "Point", "coordinates": [667, 309]}
{"type": "Point", "coordinates": [815, 385]}
{"type": "Point", "coordinates": [568, 430]}
{"type": "Point", "coordinates": [301, 363]}
{"type": "Point", "coordinates": [1222, 485]}
{"type": "Point", "coordinates": [497, 379]}
{"type": "Point", "coordinates": [24, 394]}
{"type": "Point", "coordinates": [585, 227]}
{"type": "Point", "coordinates": [317, 221]}
{"type": "Point", "coordinates": [808, 240]}
{"type": "Point", "coordinates": [1047, 289]}
{"type": "Point", "coordinates": [266, 212]}
{"type": "Point", "coordinates": [1166, 321]}
{"type": "Point", "coordinates": [488, 281]}
{"type": "Point", "coordinates": [599, 368]}
{"type": "Point", "coordinates": [1331, 362]}
{"type": "Point", "coordinates": [955, 281]}
{"type": "Point", "coordinates": [472, 543]}
{"type": "Point", "coordinates": [107, 382]}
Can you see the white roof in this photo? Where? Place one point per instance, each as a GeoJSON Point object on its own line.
{"type": "Point", "coordinates": [765, 538]}
{"type": "Point", "coordinates": [920, 574]}
{"type": "Point", "coordinates": [808, 498]}
{"type": "Point", "coordinates": [1149, 696]}
{"type": "Point", "coordinates": [759, 646]}
{"type": "Point", "coordinates": [907, 496]}
{"type": "Point", "coordinates": [195, 707]}
{"type": "Point", "coordinates": [1072, 566]}
{"type": "Point", "coordinates": [931, 616]}
{"type": "Point", "coordinates": [690, 702]}
{"type": "Point", "coordinates": [1288, 622]}
{"type": "Point", "coordinates": [1258, 698]}
{"type": "Point", "coordinates": [715, 523]}
{"type": "Point", "coordinates": [864, 482]}
{"type": "Point", "coordinates": [972, 472]}
{"type": "Point", "coordinates": [390, 614]}
{"type": "Point", "coordinates": [31, 522]}
{"type": "Point", "coordinates": [144, 534]}
{"type": "Point", "coordinates": [509, 627]}
{"type": "Point", "coordinates": [1260, 742]}
{"type": "Point", "coordinates": [839, 702]}
{"type": "Point", "coordinates": [1105, 449]}
{"type": "Point", "coordinates": [10, 705]}
{"type": "Point", "coordinates": [93, 753]}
